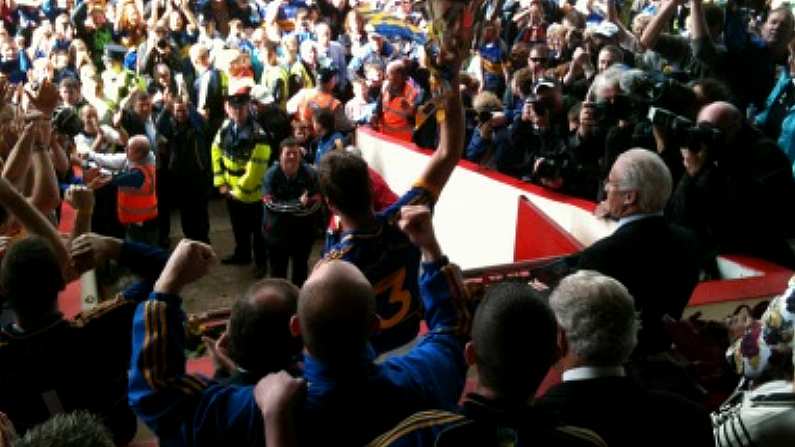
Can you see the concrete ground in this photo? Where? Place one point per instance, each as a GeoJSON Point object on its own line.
{"type": "Point", "coordinates": [224, 283]}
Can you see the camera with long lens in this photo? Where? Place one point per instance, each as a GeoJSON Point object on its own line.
{"type": "Point", "coordinates": [484, 116]}
{"type": "Point", "coordinates": [683, 132]}
{"type": "Point", "coordinates": [65, 121]}
{"type": "Point", "coordinates": [538, 106]}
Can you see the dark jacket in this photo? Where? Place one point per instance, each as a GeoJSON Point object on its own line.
{"type": "Point", "coordinates": [626, 415]}
{"type": "Point", "coordinates": [658, 263]}
{"type": "Point", "coordinates": [485, 422]}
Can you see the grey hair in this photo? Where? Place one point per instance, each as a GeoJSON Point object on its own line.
{"type": "Point", "coordinates": [644, 171]}
{"type": "Point", "coordinates": [597, 313]}
{"type": "Point", "coordinates": [607, 79]}
{"type": "Point", "coordinates": [78, 429]}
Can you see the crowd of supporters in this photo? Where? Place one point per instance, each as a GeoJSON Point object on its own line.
{"type": "Point", "coordinates": [676, 116]}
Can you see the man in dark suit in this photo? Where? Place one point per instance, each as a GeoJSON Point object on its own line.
{"type": "Point", "coordinates": [658, 263]}
{"type": "Point", "coordinates": [597, 328]}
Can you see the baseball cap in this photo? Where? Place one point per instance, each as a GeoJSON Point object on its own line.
{"type": "Point", "coordinates": [606, 29]}
{"type": "Point", "coordinates": [542, 84]}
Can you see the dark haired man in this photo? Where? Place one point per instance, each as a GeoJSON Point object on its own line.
{"type": "Point", "coordinates": [352, 399]}
{"type": "Point", "coordinates": [508, 375]}
{"type": "Point", "coordinates": [372, 242]}
{"type": "Point", "coordinates": [52, 364]}
{"type": "Point", "coordinates": [292, 202]}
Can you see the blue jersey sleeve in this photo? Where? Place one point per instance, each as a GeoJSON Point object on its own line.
{"type": "Point", "coordinates": [436, 365]}
{"type": "Point", "coordinates": [182, 408]}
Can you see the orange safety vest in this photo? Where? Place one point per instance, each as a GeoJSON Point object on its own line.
{"type": "Point", "coordinates": [397, 118]}
{"type": "Point", "coordinates": [136, 205]}
{"type": "Point", "coordinates": [319, 100]}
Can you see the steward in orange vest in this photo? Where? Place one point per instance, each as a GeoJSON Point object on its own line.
{"type": "Point", "coordinates": [307, 102]}
{"type": "Point", "coordinates": [134, 176]}
{"type": "Point", "coordinates": [398, 103]}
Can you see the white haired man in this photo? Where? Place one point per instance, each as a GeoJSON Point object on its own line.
{"type": "Point", "coordinates": [659, 263]}
{"type": "Point", "coordinates": [597, 327]}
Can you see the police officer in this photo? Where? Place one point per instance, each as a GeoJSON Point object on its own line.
{"type": "Point", "coordinates": [240, 158]}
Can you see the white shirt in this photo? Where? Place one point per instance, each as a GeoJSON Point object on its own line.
{"type": "Point", "coordinates": [592, 372]}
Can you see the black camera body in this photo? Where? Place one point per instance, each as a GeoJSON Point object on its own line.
{"type": "Point", "coordinates": [684, 132]}
{"type": "Point", "coordinates": [484, 116]}
{"type": "Point", "coordinates": [65, 121]}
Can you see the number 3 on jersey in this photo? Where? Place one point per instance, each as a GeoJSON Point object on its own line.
{"type": "Point", "coordinates": [393, 286]}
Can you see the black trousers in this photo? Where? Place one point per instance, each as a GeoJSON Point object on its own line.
{"type": "Point", "coordinates": [246, 221]}
{"type": "Point", "coordinates": [192, 202]}
{"type": "Point", "coordinates": [298, 251]}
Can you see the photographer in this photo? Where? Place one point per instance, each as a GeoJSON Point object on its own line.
{"type": "Point", "coordinates": [761, 187]}
{"type": "Point", "coordinates": [158, 48]}
{"type": "Point", "coordinates": [533, 140]}
{"type": "Point", "coordinates": [490, 133]}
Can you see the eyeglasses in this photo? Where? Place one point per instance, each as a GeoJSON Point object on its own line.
{"type": "Point", "coordinates": [538, 60]}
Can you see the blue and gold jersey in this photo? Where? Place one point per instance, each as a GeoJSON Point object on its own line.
{"type": "Point", "coordinates": [390, 262]}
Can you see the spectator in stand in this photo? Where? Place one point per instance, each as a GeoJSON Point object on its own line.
{"type": "Point", "coordinates": [336, 314]}
{"type": "Point", "coordinates": [598, 329]}
{"type": "Point", "coordinates": [353, 38]}
{"type": "Point", "coordinates": [263, 312]}
{"type": "Point", "coordinates": [69, 90]}
{"type": "Point", "coordinates": [328, 139]}
{"type": "Point", "coordinates": [493, 73]}
{"type": "Point", "coordinates": [755, 78]}
{"type": "Point", "coordinates": [777, 119]}
{"type": "Point", "coordinates": [333, 51]}
{"type": "Point", "coordinates": [491, 135]}
{"type": "Point", "coordinates": [207, 92]}
{"type": "Point", "coordinates": [376, 49]}
{"type": "Point", "coordinates": [644, 245]}
{"type": "Point", "coordinates": [308, 101]}
{"type": "Point", "coordinates": [302, 72]}
{"type": "Point", "coordinates": [695, 56]}
{"type": "Point", "coordinates": [275, 78]}
{"type": "Point", "coordinates": [508, 376]}
{"type": "Point", "coordinates": [397, 109]}
{"type": "Point", "coordinates": [54, 364]}
{"type": "Point", "coordinates": [292, 204]}
{"type": "Point", "coordinates": [186, 159]}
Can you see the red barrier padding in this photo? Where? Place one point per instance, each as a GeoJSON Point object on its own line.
{"type": "Point", "coordinates": [538, 236]}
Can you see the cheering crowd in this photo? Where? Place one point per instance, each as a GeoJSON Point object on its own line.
{"type": "Point", "coordinates": [676, 116]}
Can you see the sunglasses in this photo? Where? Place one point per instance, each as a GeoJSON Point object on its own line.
{"type": "Point", "coordinates": [538, 60]}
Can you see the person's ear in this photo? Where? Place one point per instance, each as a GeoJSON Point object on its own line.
{"type": "Point", "coordinates": [295, 326]}
{"type": "Point", "coordinates": [469, 353]}
{"type": "Point", "coordinates": [630, 197]}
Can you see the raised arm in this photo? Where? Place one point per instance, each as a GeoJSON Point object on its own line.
{"type": "Point", "coordinates": [451, 141]}
{"type": "Point", "coordinates": [658, 23]}
{"type": "Point", "coordinates": [45, 195]}
{"type": "Point", "coordinates": [33, 221]}
{"type": "Point", "coordinates": [81, 198]}
{"type": "Point", "coordinates": [18, 163]}
{"type": "Point", "coordinates": [436, 364]}
{"type": "Point", "coordinates": [180, 407]}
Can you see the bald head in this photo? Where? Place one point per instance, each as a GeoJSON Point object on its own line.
{"type": "Point", "coordinates": [336, 310]}
{"type": "Point", "coordinates": [723, 116]}
{"type": "Point", "coordinates": [137, 148]}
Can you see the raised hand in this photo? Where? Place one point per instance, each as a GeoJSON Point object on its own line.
{"type": "Point", "coordinates": [277, 393]}
{"type": "Point", "coordinates": [45, 98]}
{"type": "Point", "coordinates": [90, 249]}
{"type": "Point", "coordinates": [190, 261]}
{"type": "Point", "coordinates": [80, 198]}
